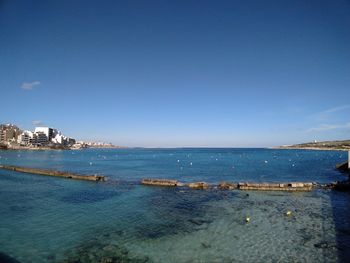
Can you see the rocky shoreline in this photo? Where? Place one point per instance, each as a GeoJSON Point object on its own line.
{"type": "Point", "coordinates": [56, 148]}
{"type": "Point", "coordinates": [34, 148]}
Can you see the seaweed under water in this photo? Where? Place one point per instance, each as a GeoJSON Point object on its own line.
{"type": "Point", "coordinates": [99, 251]}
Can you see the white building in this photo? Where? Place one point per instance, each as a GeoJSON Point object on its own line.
{"type": "Point", "coordinates": [59, 138]}
{"type": "Point", "coordinates": [25, 137]}
{"type": "Point", "coordinates": [44, 136]}
{"type": "Point", "coordinates": [49, 132]}
{"type": "Point", "coordinates": [41, 138]}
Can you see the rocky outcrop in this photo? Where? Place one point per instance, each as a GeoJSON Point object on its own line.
{"type": "Point", "coordinates": [342, 186]}
{"type": "Point", "coordinates": [7, 259]}
{"type": "Point", "coordinates": [228, 186]}
{"type": "Point", "coordinates": [198, 185]}
{"type": "Point", "coordinates": [160, 182]}
{"type": "Point", "coordinates": [343, 166]}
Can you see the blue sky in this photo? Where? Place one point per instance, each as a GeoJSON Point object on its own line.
{"type": "Point", "coordinates": [178, 73]}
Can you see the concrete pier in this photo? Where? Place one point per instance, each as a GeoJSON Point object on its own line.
{"type": "Point", "coordinates": [54, 173]}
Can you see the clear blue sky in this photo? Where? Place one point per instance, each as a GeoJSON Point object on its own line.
{"type": "Point", "coordinates": [178, 73]}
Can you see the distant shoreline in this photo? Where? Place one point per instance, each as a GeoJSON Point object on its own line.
{"type": "Point", "coordinates": [320, 146]}
{"type": "Point", "coordinates": [45, 148]}
{"type": "Point", "coordinates": [289, 147]}
{"type": "Point", "coordinates": [309, 148]}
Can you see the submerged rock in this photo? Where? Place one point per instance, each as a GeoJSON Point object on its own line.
{"type": "Point", "coordinates": [322, 244]}
{"type": "Point", "coordinates": [7, 259]}
{"type": "Point", "coordinates": [205, 245]}
{"type": "Point", "coordinates": [99, 251]}
{"type": "Point", "coordinates": [110, 248]}
{"type": "Point", "coordinates": [342, 186]}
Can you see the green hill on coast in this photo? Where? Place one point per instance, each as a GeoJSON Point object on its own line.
{"type": "Point", "coordinates": [326, 145]}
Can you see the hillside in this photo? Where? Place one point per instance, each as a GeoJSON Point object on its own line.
{"type": "Point", "coordinates": [326, 145]}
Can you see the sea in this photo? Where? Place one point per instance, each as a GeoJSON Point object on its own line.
{"type": "Point", "coordinates": [47, 219]}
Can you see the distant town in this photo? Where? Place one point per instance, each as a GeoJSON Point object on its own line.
{"type": "Point", "coordinates": [12, 137]}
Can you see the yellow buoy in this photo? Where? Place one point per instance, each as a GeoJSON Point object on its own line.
{"type": "Point", "coordinates": [247, 220]}
{"type": "Point", "coordinates": [289, 213]}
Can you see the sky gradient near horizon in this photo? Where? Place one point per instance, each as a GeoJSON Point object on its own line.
{"type": "Point", "coordinates": [178, 73]}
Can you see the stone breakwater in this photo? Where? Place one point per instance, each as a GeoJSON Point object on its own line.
{"type": "Point", "coordinates": [54, 173]}
{"type": "Point", "coordinates": [291, 186]}
{"type": "Point", "coordinates": [295, 186]}
{"type": "Point", "coordinates": [161, 182]}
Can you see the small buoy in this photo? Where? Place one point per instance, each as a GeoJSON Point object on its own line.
{"type": "Point", "coordinates": [178, 161]}
{"type": "Point", "coordinates": [289, 213]}
{"type": "Point", "coordinates": [247, 220]}
{"type": "Point", "coordinates": [90, 163]}
{"type": "Point", "coordinates": [190, 163]}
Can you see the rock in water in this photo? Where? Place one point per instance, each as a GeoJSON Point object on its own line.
{"type": "Point", "coordinates": [7, 259]}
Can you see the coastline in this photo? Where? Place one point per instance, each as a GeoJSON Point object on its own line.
{"type": "Point", "coordinates": [45, 148]}
{"type": "Point", "coordinates": [107, 147]}
{"type": "Point", "coordinates": [310, 148]}
{"type": "Point", "coordinates": [21, 148]}
{"type": "Point", "coordinates": [319, 146]}
{"type": "Point", "coordinates": [124, 147]}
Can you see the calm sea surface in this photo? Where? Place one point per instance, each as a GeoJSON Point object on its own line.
{"type": "Point", "coordinates": [44, 219]}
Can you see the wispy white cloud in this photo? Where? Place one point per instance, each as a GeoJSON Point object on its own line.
{"type": "Point", "coordinates": [329, 114]}
{"type": "Point", "coordinates": [37, 123]}
{"type": "Point", "coordinates": [329, 127]}
{"type": "Point", "coordinates": [336, 109]}
{"type": "Point", "coordinates": [29, 85]}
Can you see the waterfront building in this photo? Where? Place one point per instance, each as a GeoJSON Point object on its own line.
{"type": "Point", "coordinates": [41, 138]}
{"type": "Point", "coordinates": [8, 133]}
{"type": "Point", "coordinates": [33, 140]}
{"type": "Point", "coordinates": [49, 132]}
{"type": "Point", "coordinates": [11, 135]}
{"type": "Point", "coordinates": [25, 137]}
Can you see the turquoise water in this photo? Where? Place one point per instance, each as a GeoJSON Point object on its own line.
{"type": "Point", "coordinates": [44, 219]}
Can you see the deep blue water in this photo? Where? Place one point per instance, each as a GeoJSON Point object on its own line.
{"type": "Point", "coordinates": [44, 219]}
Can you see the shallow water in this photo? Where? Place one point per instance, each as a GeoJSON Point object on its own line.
{"type": "Point", "coordinates": [44, 219]}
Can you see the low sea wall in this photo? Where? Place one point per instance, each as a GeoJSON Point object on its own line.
{"type": "Point", "coordinates": [295, 186]}
{"type": "Point", "coordinates": [290, 186]}
{"type": "Point", "coordinates": [160, 182]}
{"type": "Point", "coordinates": [54, 173]}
